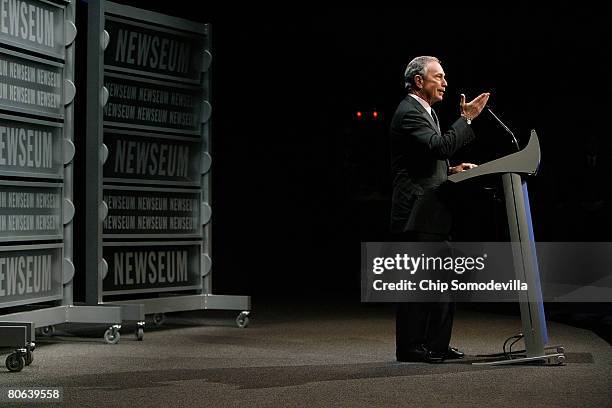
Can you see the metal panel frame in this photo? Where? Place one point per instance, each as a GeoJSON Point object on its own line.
{"type": "Point", "coordinates": [32, 58]}
{"type": "Point", "coordinates": [191, 302]}
{"type": "Point", "coordinates": [207, 188]}
{"type": "Point", "coordinates": [164, 303]}
{"type": "Point", "coordinates": [93, 186]}
{"type": "Point", "coordinates": [66, 312]}
{"type": "Point", "coordinates": [155, 18]}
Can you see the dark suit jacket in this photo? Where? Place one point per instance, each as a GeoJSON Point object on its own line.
{"type": "Point", "coordinates": [419, 154]}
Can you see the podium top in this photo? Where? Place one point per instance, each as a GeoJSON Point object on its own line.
{"type": "Point", "coordinates": [525, 161]}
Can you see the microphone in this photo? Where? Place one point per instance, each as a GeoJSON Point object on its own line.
{"type": "Point", "coordinates": [505, 127]}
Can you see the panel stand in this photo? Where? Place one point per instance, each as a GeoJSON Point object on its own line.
{"type": "Point", "coordinates": [20, 337]}
{"type": "Point", "coordinates": [136, 309]}
{"type": "Point", "coordinates": [47, 317]}
{"type": "Point", "coordinates": [169, 304]}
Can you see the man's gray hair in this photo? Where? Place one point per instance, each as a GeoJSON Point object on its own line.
{"type": "Point", "coordinates": [417, 66]}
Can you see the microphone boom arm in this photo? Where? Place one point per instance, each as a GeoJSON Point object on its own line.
{"type": "Point", "coordinates": [505, 127]}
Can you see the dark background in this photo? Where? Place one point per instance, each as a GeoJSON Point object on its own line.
{"type": "Point", "coordinates": [298, 182]}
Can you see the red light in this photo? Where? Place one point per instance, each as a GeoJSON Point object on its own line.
{"type": "Point", "coordinates": [375, 115]}
{"type": "Point", "coordinates": [359, 114]}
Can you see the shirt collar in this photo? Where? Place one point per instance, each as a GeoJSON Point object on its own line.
{"type": "Point", "coordinates": [422, 102]}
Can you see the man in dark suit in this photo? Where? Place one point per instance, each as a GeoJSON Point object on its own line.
{"type": "Point", "coordinates": [419, 162]}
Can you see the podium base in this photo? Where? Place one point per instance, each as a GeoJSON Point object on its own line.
{"type": "Point", "coordinates": [557, 358]}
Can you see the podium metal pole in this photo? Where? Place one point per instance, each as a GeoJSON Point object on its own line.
{"type": "Point", "coordinates": [525, 263]}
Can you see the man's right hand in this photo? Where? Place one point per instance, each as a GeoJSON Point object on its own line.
{"type": "Point", "coordinates": [461, 167]}
{"type": "Point", "coordinates": [472, 109]}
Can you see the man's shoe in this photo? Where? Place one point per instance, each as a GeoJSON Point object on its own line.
{"type": "Point", "coordinates": [454, 353]}
{"type": "Point", "coordinates": [420, 354]}
{"type": "Point", "coordinates": [434, 357]}
{"type": "Point", "coordinates": [413, 354]}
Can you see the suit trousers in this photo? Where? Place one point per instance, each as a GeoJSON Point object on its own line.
{"type": "Point", "coordinates": [427, 324]}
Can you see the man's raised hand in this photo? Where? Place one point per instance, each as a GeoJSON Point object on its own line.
{"type": "Point", "coordinates": [472, 109]}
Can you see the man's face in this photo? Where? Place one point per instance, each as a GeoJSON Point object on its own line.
{"type": "Point", "coordinates": [433, 83]}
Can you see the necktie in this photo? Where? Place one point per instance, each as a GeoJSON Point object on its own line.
{"type": "Point", "coordinates": [435, 118]}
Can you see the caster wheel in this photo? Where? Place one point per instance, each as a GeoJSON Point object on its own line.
{"type": "Point", "coordinates": [139, 334]}
{"type": "Point", "coordinates": [14, 362]}
{"type": "Point", "coordinates": [111, 336]}
{"type": "Point", "coordinates": [561, 360]}
{"type": "Point", "coordinates": [242, 320]}
{"type": "Point", "coordinates": [158, 319]}
{"type": "Point", "coordinates": [48, 331]}
{"type": "Point", "coordinates": [28, 357]}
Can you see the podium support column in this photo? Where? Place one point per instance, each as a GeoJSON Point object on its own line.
{"type": "Point", "coordinates": [525, 264]}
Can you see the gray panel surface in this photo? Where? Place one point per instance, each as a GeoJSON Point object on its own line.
{"type": "Point", "coordinates": [151, 158]}
{"type": "Point", "coordinates": [141, 267]}
{"type": "Point", "coordinates": [33, 25]}
{"type": "Point", "coordinates": [153, 51]}
{"type": "Point", "coordinates": [30, 211]}
{"type": "Point", "coordinates": [30, 274]}
{"type": "Point", "coordinates": [152, 105]}
{"type": "Point", "coordinates": [29, 85]}
{"type": "Point", "coordinates": [31, 148]}
{"type": "Point", "coordinates": [143, 211]}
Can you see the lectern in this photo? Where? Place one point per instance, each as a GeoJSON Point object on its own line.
{"type": "Point", "coordinates": [513, 168]}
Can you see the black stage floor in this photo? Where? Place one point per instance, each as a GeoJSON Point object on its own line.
{"type": "Point", "coordinates": [311, 354]}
